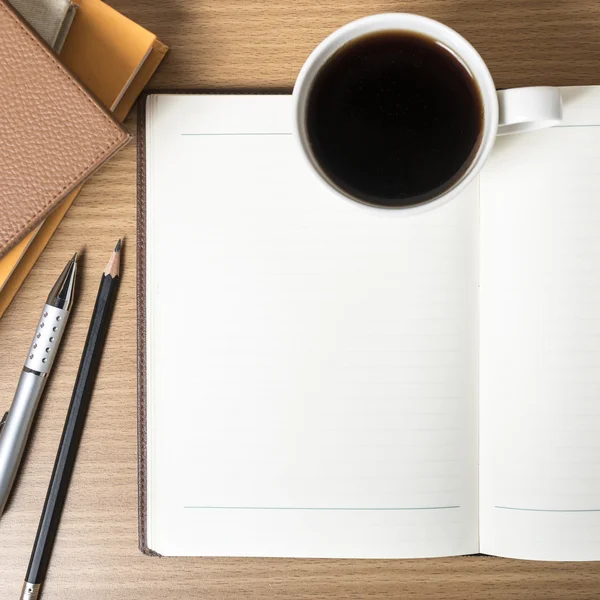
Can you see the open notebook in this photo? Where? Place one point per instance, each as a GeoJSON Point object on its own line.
{"type": "Point", "coordinates": [319, 380]}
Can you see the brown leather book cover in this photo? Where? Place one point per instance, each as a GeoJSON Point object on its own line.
{"type": "Point", "coordinates": [115, 58]}
{"type": "Point", "coordinates": [53, 132]}
{"type": "Point", "coordinates": [141, 327]}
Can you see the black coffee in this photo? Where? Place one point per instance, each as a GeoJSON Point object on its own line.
{"type": "Point", "coordinates": [394, 118]}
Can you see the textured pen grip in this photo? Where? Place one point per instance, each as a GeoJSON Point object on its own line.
{"type": "Point", "coordinates": [16, 430]}
{"type": "Point", "coordinates": [46, 339]}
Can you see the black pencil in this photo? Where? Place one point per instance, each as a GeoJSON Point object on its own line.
{"type": "Point", "coordinates": [71, 436]}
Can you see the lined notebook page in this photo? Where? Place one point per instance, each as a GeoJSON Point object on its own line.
{"type": "Point", "coordinates": [540, 340]}
{"type": "Point", "coordinates": [312, 366]}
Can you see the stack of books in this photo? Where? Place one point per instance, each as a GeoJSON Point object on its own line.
{"type": "Point", "coordinates": [115, 58]}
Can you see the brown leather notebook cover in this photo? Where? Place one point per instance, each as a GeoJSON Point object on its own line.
{"type": "Point", "coordinates": [114, 57]}
{"type": "Point", "coordinates": [141, 326]}
{"type": "Point", "coordinates": [53, 132]}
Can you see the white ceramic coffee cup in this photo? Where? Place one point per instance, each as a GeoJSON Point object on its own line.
{"type": "Point", "coordinates": [507, 111]}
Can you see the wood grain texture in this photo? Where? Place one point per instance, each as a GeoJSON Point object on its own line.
{"type": "Point", "coordinates": [239, 44]}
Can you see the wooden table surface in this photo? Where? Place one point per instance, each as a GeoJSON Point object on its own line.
{"type": "Point", "coordinates": [239, 44]}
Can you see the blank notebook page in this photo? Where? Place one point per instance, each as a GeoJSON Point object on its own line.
{"type": "Point", "coordinates": [540, 339]}
{"type": "Point", "coordinates": [312, 365]}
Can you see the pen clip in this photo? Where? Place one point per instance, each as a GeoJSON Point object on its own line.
{"type": "Point", "coordinates": [3, 421]}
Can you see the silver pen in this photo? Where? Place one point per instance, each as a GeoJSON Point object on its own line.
{"type": "Point", "coordinates": [15, 425]}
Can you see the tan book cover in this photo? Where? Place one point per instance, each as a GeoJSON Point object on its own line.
{"type": "Point", "coordinates": [53, 132]}
{"type": "Point", "coordinates": [115, 58]}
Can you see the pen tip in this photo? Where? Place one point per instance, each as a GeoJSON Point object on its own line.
{"type": "Point", "coordinates": [74, 259]}
{"type": "Point", "coordinates": [118, 246]}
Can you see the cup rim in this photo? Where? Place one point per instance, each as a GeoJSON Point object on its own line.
{"type": "Point", "coordinates": [409, 22]}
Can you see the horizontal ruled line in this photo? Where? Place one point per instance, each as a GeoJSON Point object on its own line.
{"type": "Point", "coordinates": [573, 126]}
{"type": "Point", "coordinates": [248, 133]}
{"type": "Point", "coordinates": [257, 133]}
{"type": "Point", "coordinates": [329, 508]}
{"type": "Point", "coordinates": [551, 510]}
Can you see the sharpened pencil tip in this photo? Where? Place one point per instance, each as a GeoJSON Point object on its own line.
{"type": "Point", "coordinates": [113, 266]}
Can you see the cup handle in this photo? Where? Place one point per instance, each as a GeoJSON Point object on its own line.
{"type": "Point", "coordinates": [528, 109]}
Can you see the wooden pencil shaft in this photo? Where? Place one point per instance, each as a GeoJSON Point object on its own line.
{"type": "Point", "coordinates": [72, 432]}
